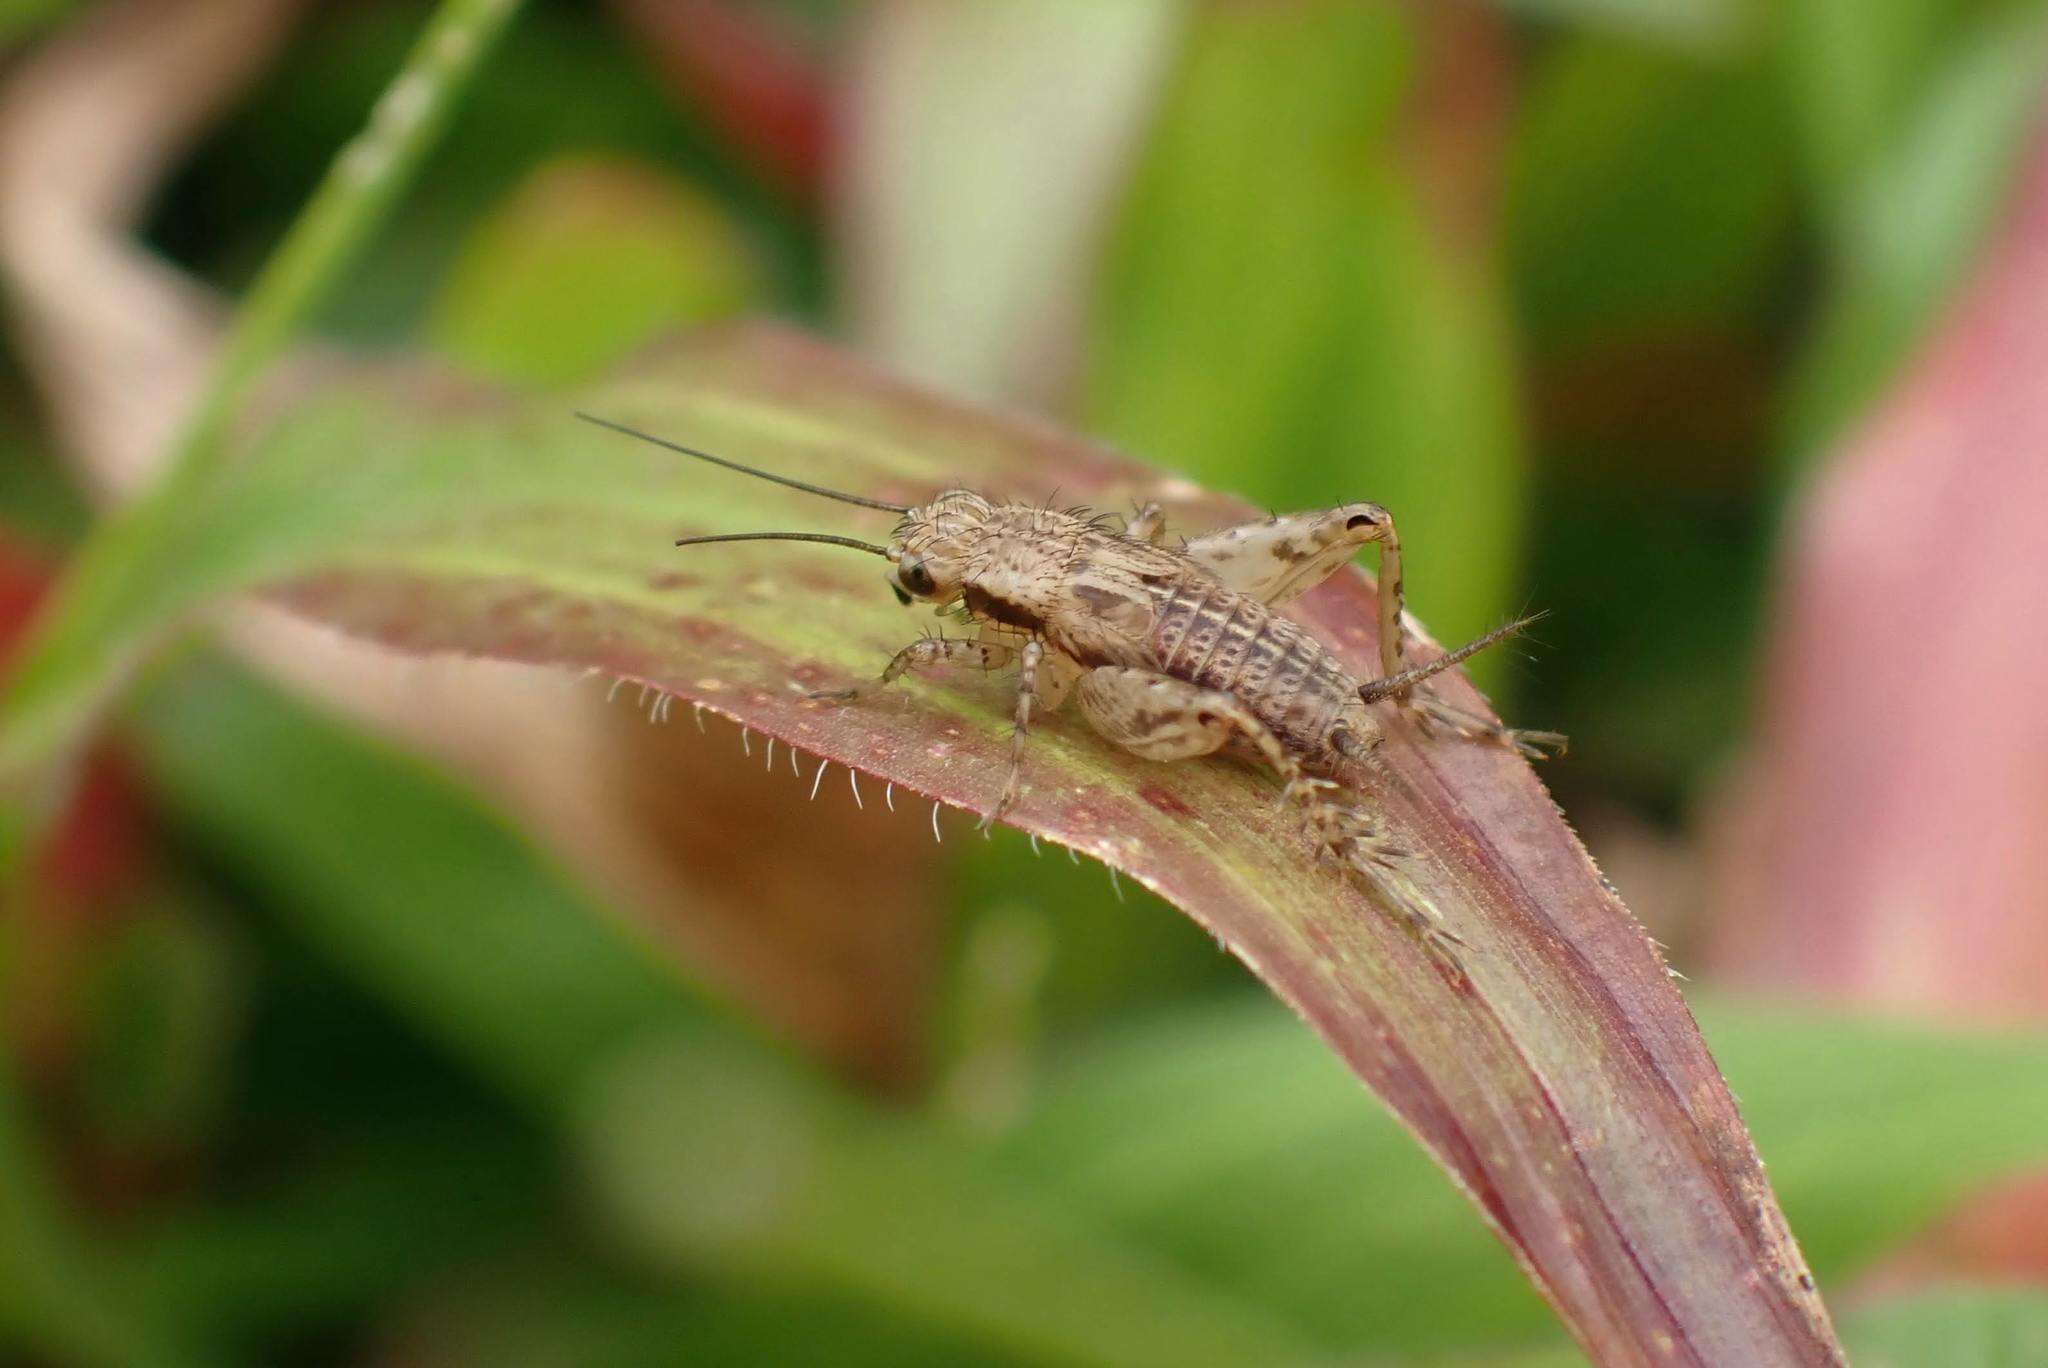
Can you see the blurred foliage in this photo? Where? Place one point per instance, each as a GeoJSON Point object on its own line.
{"type": "Point", "coordinates": [1920, 188]}
{"type": "Point", "coordinates": [1288, 1196]}
{"type": "Point", "coordinates": [1274, 234]}
{"type": "Point", "coordinates": [357, 1074]}
{"type": "Point", "coordinates": [1989, 1328]}
{"type": "Point", "coordinates": [584, 261]}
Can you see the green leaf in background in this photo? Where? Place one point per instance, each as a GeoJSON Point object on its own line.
{"type": "Point", "coordinates": [1965, 1328]}
{"type": "Point", "coordinates": [1648, 192]}
{"type": "Point", "coordinates": [708, 1154]}
{"type": "Point", "coordinates": [536, 1308]}
{"type": "Point", "coordinates": [1687, 25]}
{"type": "Point", "coordinates": [58, 1292]}
{"type": "Point", "coordinates": [1291, 1194]}
{"type": "Point", "coordinates": [564, 86]}
{"type": "Point", "coordinates": [587, 259]}
{"type": "Point", "coordinates": [21, 18]}
{"type": "Point", "coordinates": [363, 1217]}
{"type": "Point", "coordinates": [163, 1017]}
{"type": "Point", "coordinates": [518, 976]}
{"type": "Point", "coordinates": [1853, 72]}
{"type": "Point", "coordinates": [1916, 215]}
{"type": "Point", "coordinates": [1277, 315]}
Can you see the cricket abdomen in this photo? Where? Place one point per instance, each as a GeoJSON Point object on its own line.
{"type": "Point", "coordinates": [1218, 638]}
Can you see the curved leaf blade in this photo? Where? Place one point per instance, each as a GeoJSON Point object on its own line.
{"type": "Point", "coordinates": [1563, 1084]}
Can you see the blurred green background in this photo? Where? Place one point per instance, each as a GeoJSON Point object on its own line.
{"type": "Point", "coordinates": [321, 1055]}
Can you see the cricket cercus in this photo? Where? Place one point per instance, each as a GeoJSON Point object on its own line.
{"type": "Point", "coordinates": [1170, 652]}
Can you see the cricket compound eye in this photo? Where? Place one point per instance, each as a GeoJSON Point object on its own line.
{"type": "Point", "coordinates": [913, 575]}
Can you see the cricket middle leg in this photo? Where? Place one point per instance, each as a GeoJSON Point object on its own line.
{"type": "Point", "coordinates": [1028, 660]}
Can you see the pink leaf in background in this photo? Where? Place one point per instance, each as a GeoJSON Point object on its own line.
{"type": "Point", "coordinates": [1888, 845]}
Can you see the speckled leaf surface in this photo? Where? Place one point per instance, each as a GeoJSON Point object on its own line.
{"type": "Point", "coordinates": [1563, 1084]}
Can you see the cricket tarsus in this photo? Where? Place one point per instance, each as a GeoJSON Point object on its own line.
{"type": "Point", "coordinates": [1433, 714]}
{"type": "Point", "coordinates": [1175, 652]}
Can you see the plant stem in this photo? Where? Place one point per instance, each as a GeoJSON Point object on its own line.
{"type": "Point", "coordinates": [70, 660]}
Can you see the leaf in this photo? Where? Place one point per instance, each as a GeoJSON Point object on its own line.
{"type": "Point", "coordinates": [1279, 231]}
{"type": "Point", "coordinates": [1916, 216]}
{"type": "Point", "coordinates": [1852, 71]}
{"type": "Point", "coordinates": [1650, 193]}
{"type": "Point", "coordinates": [1290, 1195]}
{"type": "Point", "coordinates": [1563, 1085]}
{"type": "Point", "coordinates": [1918, 886]}
{"type": "Point", "coordinates": [586, 260]}
{"type": "Point", "coordinates": [1963, 1328]}
{"type": "Point", "coordinates": [709, 1155]}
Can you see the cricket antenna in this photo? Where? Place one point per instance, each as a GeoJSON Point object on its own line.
{"type": "Point", "coordinates": [1400, 683]}
{"type": "Point", "coordinates": [825, 537]}
{"type": "Point", "coordinates": [744, 470]}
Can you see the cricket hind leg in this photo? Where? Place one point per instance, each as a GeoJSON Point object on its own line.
{"type": "Point", "coordinates": [1280, 559]}
{"type": "Point", "coordinates": [922, 654]}
{"type": "Point", "coordinates": [1435, 716]}
{"type": "Point", "coordinates": [1163, 718]}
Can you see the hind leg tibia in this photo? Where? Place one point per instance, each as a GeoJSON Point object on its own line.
{"type": "Point", "coordinates": [1278, 560]}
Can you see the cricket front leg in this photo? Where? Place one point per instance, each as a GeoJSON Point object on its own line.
{"type": "Point", "coordinates": [1027, 693]}
{"type": "Point", "coordinates": [924, 653]}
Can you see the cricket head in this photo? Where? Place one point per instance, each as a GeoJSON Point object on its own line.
{"type": "Point", "coordinates": [928, 553]}
{"type": "Point", "coordinates": [932, 547]}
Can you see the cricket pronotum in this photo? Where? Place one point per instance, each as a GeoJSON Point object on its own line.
{"type": "Point", "coordinates": [1170, 652]}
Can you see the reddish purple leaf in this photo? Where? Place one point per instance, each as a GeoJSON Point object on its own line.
{"type": "Point", "coordinates": [1565, 1086]}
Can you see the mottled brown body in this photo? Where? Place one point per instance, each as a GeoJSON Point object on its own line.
{"type": "Point", "coordinates": [1171, 653]}
{"type": "Point", "coordinates": [1175, 653]}
{"type": "Point", "coordinates": [1098, 596]}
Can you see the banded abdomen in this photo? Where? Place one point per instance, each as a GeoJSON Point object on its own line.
{"type": "Point", "coordinates": [1214, 636]}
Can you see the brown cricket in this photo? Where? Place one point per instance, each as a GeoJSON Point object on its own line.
{"type": "Point", "coordinates": [1170, 652]}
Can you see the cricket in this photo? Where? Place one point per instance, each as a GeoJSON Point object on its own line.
{"type": "Point", "coordinates": [1171, 652]}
